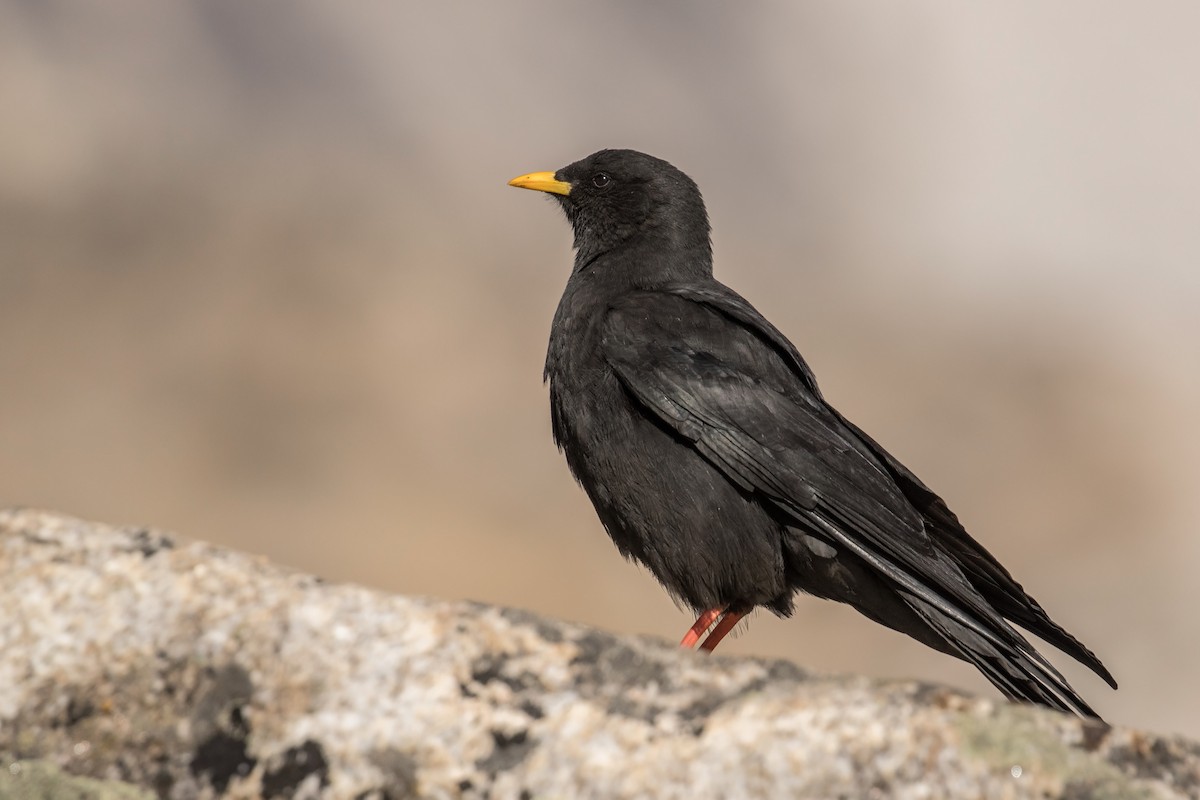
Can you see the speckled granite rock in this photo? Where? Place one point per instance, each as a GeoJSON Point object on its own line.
{"type": "Point", "coordinates": [134, 664]}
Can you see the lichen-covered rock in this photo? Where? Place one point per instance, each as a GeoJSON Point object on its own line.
{"type": "Point", "coordinates": [138, 664]}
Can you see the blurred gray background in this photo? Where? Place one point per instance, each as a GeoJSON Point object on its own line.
{"type": "Point", "coordinates": [262, 282]}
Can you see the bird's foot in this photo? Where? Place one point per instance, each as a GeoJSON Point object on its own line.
{"type": "Point", "coordinates": [703, 623]}
{"type": "Point", "coordinates": [727, 620]}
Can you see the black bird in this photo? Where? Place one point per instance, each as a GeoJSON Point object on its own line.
{"type": "Point", "coordinates": [711, 457]}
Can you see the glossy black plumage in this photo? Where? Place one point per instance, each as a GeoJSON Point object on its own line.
{"type": "Point", "coordinates": [701, 437]}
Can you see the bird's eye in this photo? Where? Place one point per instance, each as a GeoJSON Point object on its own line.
{"type": "Point", "coordinates": [600, 180]}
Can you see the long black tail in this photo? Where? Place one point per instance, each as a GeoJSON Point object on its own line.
{"type": "Point", "coordinates": [1000, 589]}
{"type": "Point", "coordinates": [1011, 664]}
{"type": "Point", "coordinates": [947, 602]}
{"type": "Point", "coordinates": [980, 567]}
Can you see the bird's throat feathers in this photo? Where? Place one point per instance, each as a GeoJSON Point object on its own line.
{"type": "Point", "coordinates": [646, 249]}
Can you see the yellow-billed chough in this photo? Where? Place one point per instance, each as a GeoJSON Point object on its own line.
{"type": "Point", "coordinates": [711, 457]}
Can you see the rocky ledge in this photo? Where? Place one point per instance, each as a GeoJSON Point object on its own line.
{"type": "Point", "coordinates": [135, 664]}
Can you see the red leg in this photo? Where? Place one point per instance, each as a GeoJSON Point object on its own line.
{"type": "Point", "coordinates": [702, 623]}
{"type": "Point", "coordinates": [723, 627]}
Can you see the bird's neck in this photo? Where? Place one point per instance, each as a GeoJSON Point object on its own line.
{"type": "Point", "coordinates": [649, 259]}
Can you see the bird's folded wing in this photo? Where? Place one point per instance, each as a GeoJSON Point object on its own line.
{"type": "Point", "coordinates": [718, 385]}
{"type": "Point", "coordinates": [721, 386]}
{"type": "Point", "coordinates": [984, 571]}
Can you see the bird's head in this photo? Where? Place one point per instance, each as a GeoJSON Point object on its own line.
{"type": "Point", "coordinates": [625, 199]}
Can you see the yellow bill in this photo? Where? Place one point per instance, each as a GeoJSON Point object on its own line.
{"type": "Point", "coordinates": [541, 182]}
